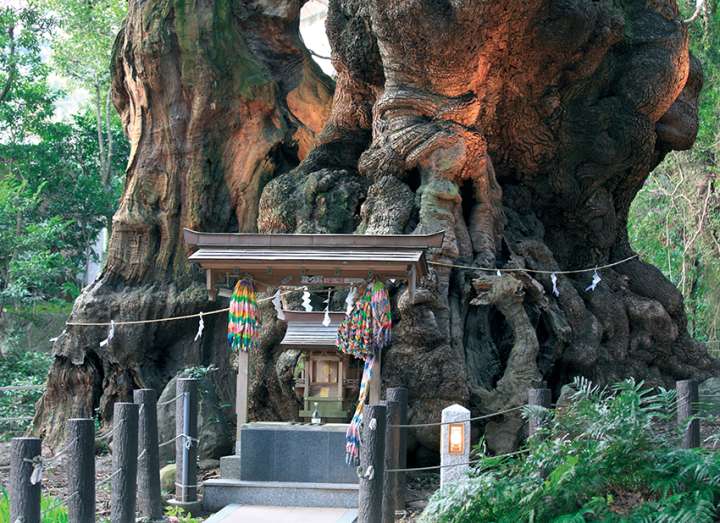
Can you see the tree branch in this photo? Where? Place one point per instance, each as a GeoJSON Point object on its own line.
{"type": "Point", "coordinates": [98, 124]}
{"type": "Point", "coordinates": [13, 66]}
{"type": "Point", "coordinates": [318, 55]}
{"type": "Point", "coordinates": [108, 134]}
{"type": "Point", "coordinates": [699, 6]}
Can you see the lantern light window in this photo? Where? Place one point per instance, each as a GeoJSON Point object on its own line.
{"type": "Point", "coordinates": [456, 439]}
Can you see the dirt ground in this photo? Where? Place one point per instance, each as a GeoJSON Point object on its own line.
{"type": "Point", "coordinates": [54, 478]}
{"type": "Point", "coordinates": [420, 486]}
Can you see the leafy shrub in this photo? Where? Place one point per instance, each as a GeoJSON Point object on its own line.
{"type": "Point", "coordinates": [179, 515]}
{"type": "Point", "coordinates": [20, 367]}
{"type": "Point", "coordinates": [609, 455]}
{"type": "Point", "coordinates": [51, 510]}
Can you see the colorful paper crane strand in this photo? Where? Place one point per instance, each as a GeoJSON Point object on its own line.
{"type": "Point", "coordinates": [243, 320]}
{"type": "Point", "coordinates": [364, 333]}
{"type": "Point", "coordinates": [352, 435]}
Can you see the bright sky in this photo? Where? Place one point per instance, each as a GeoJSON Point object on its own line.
{"type": "Point", "coordinates": [312, 30]}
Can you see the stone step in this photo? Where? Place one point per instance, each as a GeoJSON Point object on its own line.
{"type": "Point", "coordinates": [218, 493]}
{"type": "Point", "coordinates": [260, 514]}
{"type": "Point", "coordinates": [231, 467]}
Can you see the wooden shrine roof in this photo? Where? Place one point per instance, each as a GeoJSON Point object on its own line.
{"type": "Point", "coordinates": [306, 331]}
{"type": "Point", "coordinates": [307, 259]}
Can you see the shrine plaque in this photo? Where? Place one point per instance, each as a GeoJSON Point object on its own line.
{"type": "Point", "coordinates": [328, 280]}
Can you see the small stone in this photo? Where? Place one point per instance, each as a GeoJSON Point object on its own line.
{"type": "Point", "coordinates": [214, 429]}
{"type": "Point", "coordinates": [208, 464]}
{"type": "Point", "coordinates": [167, 477]}
{"type": "Point", "coordinates": [566, 393]}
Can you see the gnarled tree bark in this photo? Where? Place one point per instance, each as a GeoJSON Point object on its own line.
{"type": "Point", "coordinates": [522, 128]}
{"type": "Point", "coordinates": [216, 98]}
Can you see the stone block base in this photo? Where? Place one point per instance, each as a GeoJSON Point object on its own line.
{"type": "Point", "coordinates": [219, 493]}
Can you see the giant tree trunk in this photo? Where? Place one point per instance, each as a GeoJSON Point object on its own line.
{"type": "Point", "coordinates": [216, 98]}
{"type": "Point", "coordinates": [522, 128]}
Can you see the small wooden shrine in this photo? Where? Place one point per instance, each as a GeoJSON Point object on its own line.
{"type": "Point", "coordinates": [340, 368]}
{"type": "Point", "coordinates": [327, 380]}
{"type": "Point", "coordinates": [307, 260]}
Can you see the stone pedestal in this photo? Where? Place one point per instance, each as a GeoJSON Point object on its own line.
{"type": "Point", "coordinates": [285, 464]}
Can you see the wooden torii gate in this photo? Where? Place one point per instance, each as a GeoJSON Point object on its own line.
{"type": "Point", "coordinates": [312, 260]}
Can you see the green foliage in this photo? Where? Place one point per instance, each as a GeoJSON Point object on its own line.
{"type": "Point", "coordinates": [674, 222]}
{"type": "Point", "coordinates": [24, 95]}
{"type": "Point", "coordinates": [59, 181]}
{"type": "Point", "coordinates": [179, 515]}
{"type": "Point", "coordinates": [19, 367]}
{"type": "Point", "coordinates": [47, 222]}
{"type": "Point", "coordinates": [84, 49]}
{"type": "Point", "coordinates": [610, 455]}
{"type": "Point", "coordinates": [51, 511]}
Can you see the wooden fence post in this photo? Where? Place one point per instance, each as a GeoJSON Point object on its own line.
{"type": "Point", "coordinates": [149, 499]}
{"type": "Point", "coordinates": [400, 395]}
{"type": "Point", "coordinates": [241, 391]}
{"type": "Point", "coordinates": [454, 444]}
{"type": "Point", "coordinates": [186, 445]}
{"type": "Point", "coordinates": [372, 464]}
{"type": "Point", "coordinates": [24, 496]}
{"type": "Point", "coordinates": [539, 397]}
{"type": "Point", "coordinates": [81, 470]}
{"type": "Point", "coordinates": [687, 399]}
{"type": "Point", "coordinates": [392, 442]}
{"type": "Point", "coordinates": [124, 460]}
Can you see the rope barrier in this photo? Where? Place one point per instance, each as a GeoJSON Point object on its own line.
{"type": "Point", "coordinates": [270, 298]}
{"type": "Point", "coordinates": [188, 440]}
{"type": "Point", "coordinates": [438, 423]}
{"type": "Point", "coordinates": [106, 435]}
{"type": "Point", "coordinates": [466, 463]}
{"type": "Point", "coordinates": [110, 432]}
{"type": "Point", "coordinates": [21, 387]}
{"type": "Point", "coordinates": [167, 442]}
{"type": "Point", "coordinates": [19, 418]}
{"type": "Point", "coordinates": [168, 402]}
{"type": "Point", "coordinates": [54, 460]}
{"type": "Point", "coordinates": [142, 322]}
{"type": "Point", "coordinates": [60, 502]}
{"type": "Point", "coordinates": [160, 320]}
{"type": "Point", "coordinates": [109, 478]}
{"type": "Point", "coordinates": [435, 467]}
{"type": "Point", "coordinates": [534, 271]}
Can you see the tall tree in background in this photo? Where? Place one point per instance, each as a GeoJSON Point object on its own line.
{"type": "Point", "coordinates": [82, 52]}
{"type": "Point", "coordinates": [53, 202]}
{"type": "Point", "coordinates": [523, 128]}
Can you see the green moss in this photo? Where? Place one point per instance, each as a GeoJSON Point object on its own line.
{"type": "Point", "coordinates": [211, 38]}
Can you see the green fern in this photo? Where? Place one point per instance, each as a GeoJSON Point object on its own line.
{"type": "Point", "coordinates": [611, 455]}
